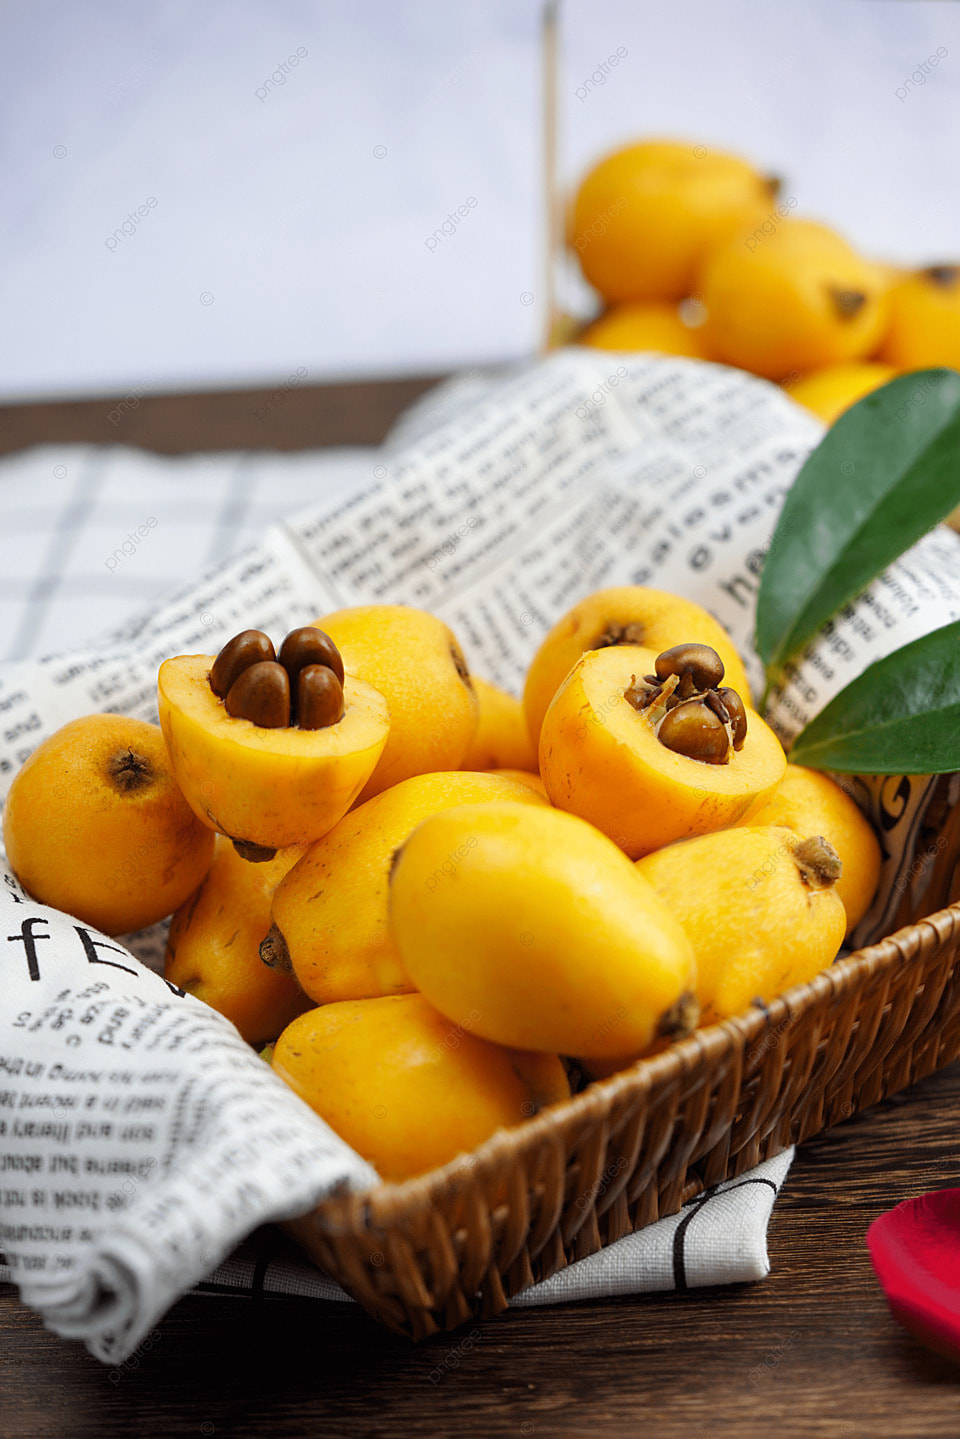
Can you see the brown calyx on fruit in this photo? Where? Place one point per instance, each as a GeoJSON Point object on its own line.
{"type": "Point", "coordinates": [614, 634]}
{"type": "Point", "coordinates": [818, 862]}
{"type": "Point", "coordinates": [130, 771]}
{"type": "Point", "coordinates": [681, 1018]}
{"type": "Point", "coordinates": [274, 952]}
{"type": "Point", "coordinates": [847, 303]}
{"type": "Point", "coordinates": [945, 277]}
{"type": "Point", "coordinates": [692, 712]}
{"type": "Point", "coordinates": [301, 686]}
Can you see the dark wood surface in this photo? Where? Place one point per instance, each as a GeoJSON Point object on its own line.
{"type": "Point", "coordinates": [291, 416]}
{"type": "Point", "coordinates": [810, 1351]}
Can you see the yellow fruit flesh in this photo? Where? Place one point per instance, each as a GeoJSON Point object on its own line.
{"type": "Point", "coordinates": [601, 759]}
{"type": "Point", "coordinates": [271, 787]}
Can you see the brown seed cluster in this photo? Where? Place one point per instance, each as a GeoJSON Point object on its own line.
{"type": "Point", "coordinates": [695, 714]}
{"type": "Point", "coordinates": [615, 634]}
{"type": "Point", "coordinates": [301, 686]}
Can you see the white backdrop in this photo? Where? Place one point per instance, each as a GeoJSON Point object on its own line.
{"type": "Point", "coordinates": [210, 194]}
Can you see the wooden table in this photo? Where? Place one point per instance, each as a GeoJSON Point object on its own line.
{"type": "Point", "coordinates": [811, 1351]}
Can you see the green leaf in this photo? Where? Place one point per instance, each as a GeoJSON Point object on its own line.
{"type": "Point", "coordinates": [901, 716]}
{"type": "Point", "coordinates": [882, 476]}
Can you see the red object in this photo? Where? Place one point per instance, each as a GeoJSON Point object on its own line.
{"type": "Point", "coordinates": [915, 1250]}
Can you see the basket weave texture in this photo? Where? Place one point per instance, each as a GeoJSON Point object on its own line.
{"type": "Point", "coordinates": [455, 1244]}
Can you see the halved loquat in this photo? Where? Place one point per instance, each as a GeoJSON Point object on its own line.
{"type": "Point", "coordinates": [650, 760]}
{"type": "Point", "coordinates": [266, 787]}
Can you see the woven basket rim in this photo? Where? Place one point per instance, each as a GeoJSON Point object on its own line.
{"type": "Point", "coordinates": [380, 1207]}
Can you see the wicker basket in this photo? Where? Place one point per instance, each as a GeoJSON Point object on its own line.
{"type": "Point", "coordinates": [436, 1251]}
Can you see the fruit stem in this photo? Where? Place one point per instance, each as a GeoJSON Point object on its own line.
{"type": "Point", "coordinates": [818, 862]}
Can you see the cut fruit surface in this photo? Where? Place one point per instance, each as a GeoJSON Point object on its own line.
{"type": "Point", "coordinates": [266, 787]}
{"type": "Point", "coordinates": [601, 758]}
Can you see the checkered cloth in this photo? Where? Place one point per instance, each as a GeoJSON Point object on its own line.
{"type": "Point", "coordinates": [91, 536]}
{"type": "Point", "coordinates": [717, 1238]}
